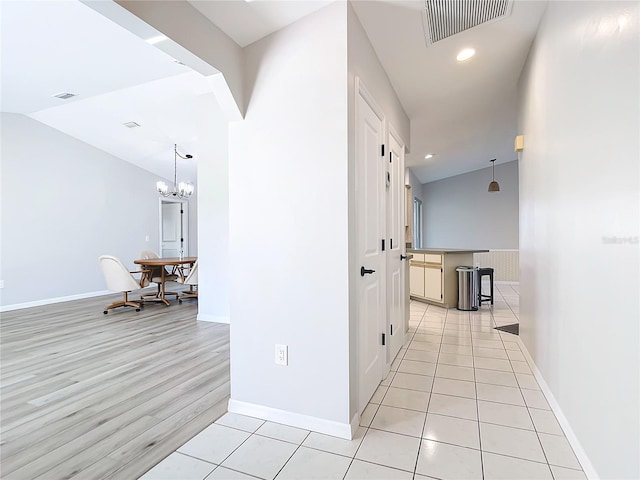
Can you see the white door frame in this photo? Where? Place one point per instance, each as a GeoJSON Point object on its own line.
{"type": "Point", "coordinates": [184, 224]}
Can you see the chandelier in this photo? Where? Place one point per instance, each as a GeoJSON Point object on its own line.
{"type": "Point", "coordinates": [180, 190]}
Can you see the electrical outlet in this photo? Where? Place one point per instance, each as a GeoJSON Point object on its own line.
{"type": "Point", "coordinates": [282, 355]}
{"type": "Point", "coordinates": [146, 239]}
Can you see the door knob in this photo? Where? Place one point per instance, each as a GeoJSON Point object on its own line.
{"type": "Point", "coordinates": [403, 257]}
{"type": "Point", "coordinates": [365, 271]}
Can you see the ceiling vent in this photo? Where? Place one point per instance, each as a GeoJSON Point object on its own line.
{"type": "Point", "coordinates": [131, 125]}
{"type": "Point", "coordinates": [444, 18]}
{"type": "Point", "coordinates": [64, 95]}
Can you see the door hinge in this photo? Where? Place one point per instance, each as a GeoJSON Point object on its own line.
{"type": "Point", "coordinates": [440, 270]}
{"type": "Point", "coordinates": [392, 329]}
{"type": "Point", "coordinates": [391, 243]}
{"type": "Point", "coordinates": [440, 296]}
{"type": "Point", "coordinates": [383, 244]}
{"type": "Point", "coordinates": [390, 158]}
{"type": "Point", "coordinates": [384, 339]}
{"type": "Point", "coordinates": [382, 147]}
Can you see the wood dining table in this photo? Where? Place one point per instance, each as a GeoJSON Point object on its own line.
{"type": "Point", "coordinates": [178, 264]}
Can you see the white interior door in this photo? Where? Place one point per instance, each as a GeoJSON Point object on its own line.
{"type": "Point", "coordinates": [370, 225]}
{"type": "Point", "coordinates": [395, 234]}
{"type": "Point", "coordinates": [173, 229]}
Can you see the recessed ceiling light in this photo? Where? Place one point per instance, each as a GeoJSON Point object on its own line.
{"type": "Point", "coordinates": [64, 95]}
{"type": "Point", "coordinates": [156, 39]}
{"type": "Point", "coordinates": [131, 124]}
{"type": "Point", "coordinates": [428, 156]}
{"type": "Point", "coordinates": [465, 54]}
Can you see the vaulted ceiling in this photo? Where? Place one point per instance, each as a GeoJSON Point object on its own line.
{"type": "Point", "coordinates": [463, 113]}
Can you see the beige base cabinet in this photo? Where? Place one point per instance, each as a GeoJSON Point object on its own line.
{"type": "Point", "coordinates": [416, 280]}
{"type": "Point", "coordinates": [433, 277]}
{"type": "Point", "coordinates": [433, 283]}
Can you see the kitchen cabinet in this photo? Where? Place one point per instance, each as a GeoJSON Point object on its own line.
{"type": "Point", "coordinates": [433, 287]}
{"type": "Point", "coordinates": [433, 277]}
{"type": "Point", "coordinates": [416, 276]}
{"type": "Point", "coordinates": [426, 276]}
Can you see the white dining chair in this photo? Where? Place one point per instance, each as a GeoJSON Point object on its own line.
{"type": "Point", "coordinates": [192, 281]}
{"type": "Point", "coordinates": [120, 279]}
{"type": "Point", "coordinates": [155, 275]}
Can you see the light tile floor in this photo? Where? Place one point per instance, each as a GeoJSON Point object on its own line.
{"type": "Point", "coordinates": [460, 402]}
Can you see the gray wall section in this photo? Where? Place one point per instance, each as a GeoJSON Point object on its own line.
{"type": "Point", "coordinates": [458, 212]}
{"type": "Point", "coordinates": [416, 186]}
{"type": "Point", "coordinates": [65, 203]}
{"type": "Point", "coordinates": [416, 191]}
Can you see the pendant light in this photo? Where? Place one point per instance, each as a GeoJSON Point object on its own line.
{"type": "Point", "coordinates": [181, 190]}
{"type": "Point", "coordinates": [493, 186]}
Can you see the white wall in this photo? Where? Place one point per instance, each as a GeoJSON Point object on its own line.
{"type": "Point", "coordinates": [288, 205]}
{"type": "Point", "coordinates": [363, 63]}
{"type": "Point", "coordinates": [65, 203]}
{"type": "Point", "coordinates": [213, 212]}
{"type": "Point", "coordinates": [458, 212]}
{"type": "Point", "coordinates": [191, 30]}
{"type": "Point", "coordinates": [579, 184]}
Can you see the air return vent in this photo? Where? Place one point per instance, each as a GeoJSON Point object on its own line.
{"type": "Point", "coordinates": [64, 95]}
{"type": "Point", "coordinates": [444, 18]}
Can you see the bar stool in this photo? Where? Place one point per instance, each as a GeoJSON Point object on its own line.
{"type": "Point", "coordinates": [485, 298]}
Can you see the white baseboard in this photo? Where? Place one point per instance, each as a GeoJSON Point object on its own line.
{"type": "Point", "coordinates": [320, 425]}
{"type": "Point", "coordinates": [49, 301]}
{"type": "Point", "coordinates": [204, 317]}
{"type": "Point", "coordinates": [585, 463]}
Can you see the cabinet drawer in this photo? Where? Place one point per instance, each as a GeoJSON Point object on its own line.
{"type": "Point", "coordinates": [433, 258]}
{"type": "Point", "coordinates": [417, 257]}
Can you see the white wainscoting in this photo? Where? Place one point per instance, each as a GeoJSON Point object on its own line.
{"type": "Point", "coordinates": [506, 264]}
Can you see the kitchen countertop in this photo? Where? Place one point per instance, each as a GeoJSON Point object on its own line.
{"type": "Point", "coordinates": [443, 250]}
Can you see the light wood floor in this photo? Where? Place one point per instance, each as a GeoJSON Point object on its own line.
{"type": "Point", "coordinates": [92, 396]}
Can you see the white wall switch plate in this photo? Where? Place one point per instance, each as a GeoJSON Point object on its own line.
{"type": "Point", "coordinates": [282, 355]}
{"type": "Point", "coordinates": [1, 283]}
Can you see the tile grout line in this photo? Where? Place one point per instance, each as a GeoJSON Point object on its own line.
{"type": "Point", "coordinates": [291, 456]}
{"type": "Point", "coordinates": [535, 429]}
{"type": "Point", "coordinates": [529, 413]}
{"type": "Point", "coordinates": [426, 416]}
{"type": "Point", "coordinates": [400, 358]}
{"type": "Point", "coordinates": [368, 427]}
{"type": "Point", "coordinates": [475, 387]}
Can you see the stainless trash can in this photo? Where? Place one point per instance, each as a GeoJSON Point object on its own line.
{"type": "Point", "coordinates": [467, 288]}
